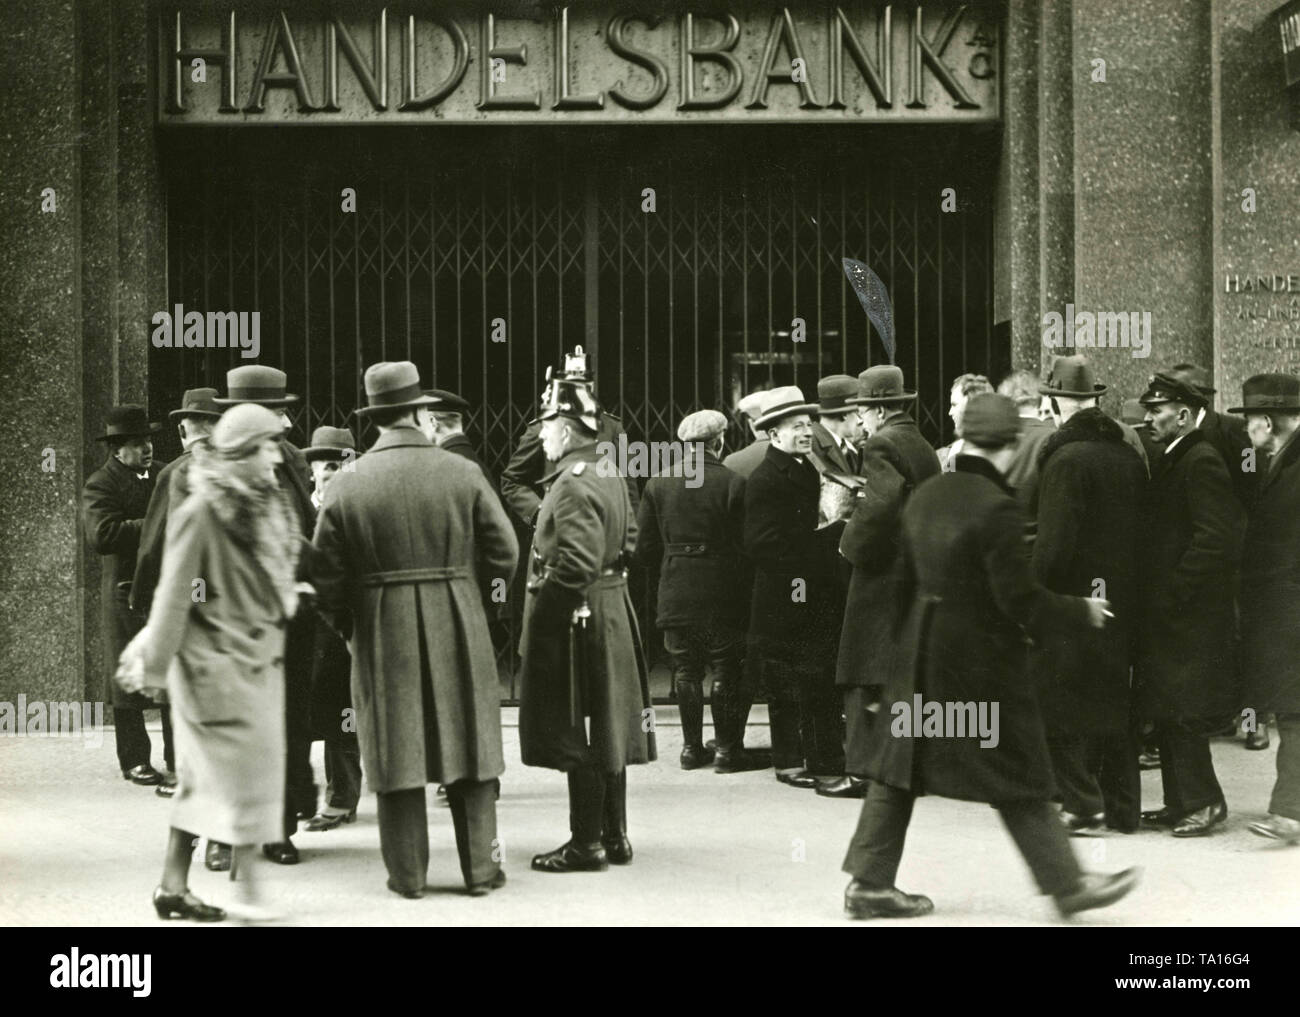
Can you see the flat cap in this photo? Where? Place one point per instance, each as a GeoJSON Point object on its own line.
{"type": "Point", "coordinates": [702, 425]}
{"type": "Point", "coordinates": [990, 420]}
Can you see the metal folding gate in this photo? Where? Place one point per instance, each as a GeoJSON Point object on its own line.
{"type": "Point", "coordinates": [686, 259]}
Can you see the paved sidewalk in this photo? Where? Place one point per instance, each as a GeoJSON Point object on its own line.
{"type": "Point", "coordinates": [79, 846]}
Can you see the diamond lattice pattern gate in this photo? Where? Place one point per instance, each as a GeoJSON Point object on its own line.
{"type": "Point", "coordinates": [549, 231]}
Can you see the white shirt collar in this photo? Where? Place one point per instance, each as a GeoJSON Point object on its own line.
{"type": "Point", "coordinates": [1173, 443]}
{"type": "Point", "coordinates": [1200, 415]}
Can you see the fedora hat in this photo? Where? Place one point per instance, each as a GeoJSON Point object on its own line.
{"type": "Point", "coordinates": [393, 385]}
{"type": "Point", "coordinates": [242, 426]}
{"type": "Point", "coordinates": [1161, 388]}
{"type": "Point", "coordinates": [1196, 376]}
{"type": "Point", "coordinates": [1071, 376]}
{"type": "Point", "coordinates": [779, 403]}
{"type": "Point", "coordinates": [449, 402]}
{"type": "Point", "coordinates": [1264, 392]}
{"type": "Point", "coordinates": [881, 384]}
{"type": "Point", "coordinates": [330, 443]}
{"type": "Point", "coordinates": [127, 421]}
{"type": "Point", "coordinates": [257, 384]}
{"type": "Point", "coordinates": [834, 392]}
{"type": "Point", "coordinates": [197, 402]}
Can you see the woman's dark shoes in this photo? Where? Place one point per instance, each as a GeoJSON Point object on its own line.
{"type": "Point", "coordinates": [1202, 821]}
{"type": "Point", "coordinates": [802, 779]}
{"type": "Point", "coordinates": [185, 905]}
{"type": "Point", "coordinates": [844, 787]}
{"type": "Point", "coordinates": [862, 901]}
{"type": "Point", "coordinates": [326, 821]}
{"type": "Point", "coordinates": [694, 757]}
{"type": "Point", "coordinates": [1257, 739]}
{"type": "Point", "coordinates": [617, 849]}
{"type": "Point", "coordinates": [282, 852]}
{"type": "Point", "coordinates": [408, 894]}
{"type": "Point", "coordinates": [1095, 890]}
{"type": "Point", "coordinates": [144, 775]}
{"type": "Point", "coordinates": [572, 857]}
{"type": "Point", "coordinates": [483, 889]}
{"type": "Point", "coordinates": [217, 857]}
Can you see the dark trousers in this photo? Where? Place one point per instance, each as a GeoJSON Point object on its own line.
{"type": "Point", "coordinates": [1186, 767]}
{"type": "Point", "coordinates": [597, 805]}
{"type": "Point", "coordinates": [698, 652]}
{"type": "Point", "coordinates": [342, 772]}
{"type": "Point", "coordinates": [806, 723]}
{"type": "Point", "coordinates": [404, 833]}
{"type": "Point", "coordinates": [857, 728]}
{"type": "Point", "coordinates": [1098, 773]}
{"type": "Point", "coordinates": [877, 844]}
{"type": "Point", "coordinates": [133, 745]}
{"type": "Point", "coordinates": [1286, 792]}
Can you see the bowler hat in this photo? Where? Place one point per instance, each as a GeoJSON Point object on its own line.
{"type": "Point", "coordinates": [448, 402]}
{"type": "Point", "coordinates": [330, 443]}
{"type": "Point", "coordinates": [1194, 375]}
{"type": "Point", "coordinates": [256, 383]}
{"type": "Point", "coordinates": [1263, 392]}
{"type": "Point", "coordinates": [702, 425]}
{"type": "Point", "coordinates": [1070, 376]}
{"type": "Point", "coordinates": [880, 385]}
{"type": "Point", "coordinates": [573, 399]}
{"type": "Point", "coordinates": [990, 420]}
{"type": "Point", "coordinates": [1162, 388]}
{"type": "Point", "coordinates": [126, 421]}
{"type": "Point", "coordinates": [779, 403]}
{"type": "Point", "coordinates": [242, 426]}
{"type": "Point", "coordinates": [393, 385]}
{"type": "Point", "coordinates": [834, 392]}
{"type": "Point", "coordinates": [197, 402]}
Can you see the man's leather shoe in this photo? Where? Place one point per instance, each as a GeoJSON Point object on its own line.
{"type": "Point", "coordinates": [408, 894]}
{"type": "Point", "coordinates": [144, 775]}
{"type": "Point", "coordinates": [483, 889]}
{"type": "Point", "coordinates": [1202, 821]}
{"type": "Point", "coordinates": [571, 857]}
{"type": "Point", "coordinates": [1149, 761]}
{"type": "Point", "coordinates": [217, 857]}
{"type": "Point", "coordinates": [1160, 817]}
{"type": "Point", "coordinates": [844, 787]}
{"type": "Point", "coordinates": [618, 850]}
{"type": "Point", "coordinates": [862, 901]}
{"type": "Point", "coordinates": [324, 821]}
{"type": "Point", "coordinates": [1082, 826]}
{"type": "Point", "coordinates": [696, 756]}
{"type": "Point", "coordinates": [739, 760]}
{"type": "Point", "coordinates": [1096, 890]}
{"type": "Point", "coordinates": [1278, 828]}
{"type": "Point", "coordinates": [802, 779]}
{"type": "Point", "coordinates": [282, 853]}
{"type": "Point", "coordinates": [1257, 739]}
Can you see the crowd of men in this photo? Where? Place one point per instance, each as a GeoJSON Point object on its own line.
{"type": "Point", "coordinates": [1114, 593]}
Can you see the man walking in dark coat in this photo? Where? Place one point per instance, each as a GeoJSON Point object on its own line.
{"type": "Point", "coordinates": [113, 505]}
{"type": "Point", "coordinates": [406, 541]}
{"type": "Point", "coordinates": [895, 459]}
{"type": "Point", "coordinates": [584, 701]}
{"type": "Point", "coordinates": [971, 595]}
{"type": "Point", "coordinates": [1191, 538]}
{"type": "Point", "coordinates": [796, 608]}
{"type": "Point", "coordinates": [690, 526]}
{"type": "Point", "coordinates": [1090, 489]}
{"type": "Point", "coordinates": [1270, 596]}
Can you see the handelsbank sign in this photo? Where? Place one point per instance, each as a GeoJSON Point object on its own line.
{"type": "Point", "coordinates": [430, 62]}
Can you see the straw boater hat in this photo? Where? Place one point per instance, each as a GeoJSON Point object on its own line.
{"type": "Point", "coordinates": [780, 403]}
{"type": "Point", "coordinates": [751, 405]}
{"type": "Point", "coordinates": [881, 385]}
{"type": "Point", "coordinates": [1264, 392]}
{"type": "Point", "coordinates": [1072, 377]}
{"type": "Point", "coordinates": [833, 394]}
{"type": "Point", "coordinates": [127, 421]}
{"type": "Point", "coordinates": [393, 385]}
{"type": "Point", "coordinates": [330, 443]}
{"type": "Point", "coordinates": [197, 402]}
{"type": "Point", "coordinates": [257, 384]}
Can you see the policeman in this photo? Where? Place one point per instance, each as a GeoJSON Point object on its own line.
{"type": "Point", "coordinates": [584, 702]}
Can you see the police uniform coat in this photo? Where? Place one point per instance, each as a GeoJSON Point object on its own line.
{"type": "Point", "coordinates": [866, 637]}
{"type": "Point", "coordinates": [405, 540]}
{"type": "Point", "coordinates": [113, 505]}
{"type": "Point", "coordinates": [1270, 588]}
{"type": "Point", "coordinates": [970, 595]}
{"type": "Point", "coordinates": [1090, 490]}
{"type": "Point", "coordinates": [1192, 533]}
{"type": "Point", "coordinates": [585, 531]}
{"type": "Point", "coordinates": [695, 537]}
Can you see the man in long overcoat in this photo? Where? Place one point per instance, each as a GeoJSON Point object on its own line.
{"type": "Point", "coordinates": [584, 701]}
{"type": "Point", "coordinates": [113, 504]}
{"type": "Point", "coordinates": [959, 717]}
{"type": "Point", "coordinates": [405, 542]}
{"type": "Point", "coordinates": [1270, 595]}
{"type": "Point", "coordinates": [1192, 531]}
{"type": "Point", "coordinates": [1090, 489]}
{"type": "Point", "coordinates": [690, 527]}
{"type": "Point", "coordinates": [796, 605]}
{"type": "Point", "coordinates": [896, 459]}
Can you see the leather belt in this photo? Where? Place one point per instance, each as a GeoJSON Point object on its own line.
{"type": "Point", "coordinates": [400, 576]}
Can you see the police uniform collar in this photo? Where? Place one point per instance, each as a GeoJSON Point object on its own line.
{"type": "Point", "coordinates": [586, 454]}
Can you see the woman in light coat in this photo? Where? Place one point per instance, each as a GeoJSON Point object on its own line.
{"type": "Point", "coordinates": [215, 638]}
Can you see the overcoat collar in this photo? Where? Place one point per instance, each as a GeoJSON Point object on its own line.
{"type": "Point", "coordinates": [1171, 459]}
{"type": "Point", "coordinates": [401, 437]}
{"type": "Point", "coordinates": [806, 474]}
{"type": "Point", "coordinates": [1283, 460]}
{"type": "Point", "coordinates": [984, 468]}
{"type": "Point", "coordinates": [899, 421]}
